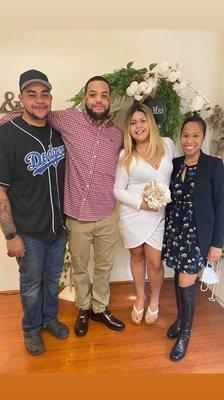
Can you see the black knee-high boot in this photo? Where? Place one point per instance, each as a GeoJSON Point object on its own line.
{"type": "Point", "coordinates": [174, 329]}
{"type": "Point", "coordinates": [187, 309]}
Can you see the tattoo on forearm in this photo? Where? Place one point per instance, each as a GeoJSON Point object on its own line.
{"type": "Point", "coordinates": [6, 220]}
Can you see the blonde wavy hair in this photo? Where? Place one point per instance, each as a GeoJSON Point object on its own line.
{"type": "Point", "coordinates": [156, 147]}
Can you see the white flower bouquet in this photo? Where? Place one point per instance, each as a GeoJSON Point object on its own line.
{"type": "Point", "coordinates": [138, 90]}
{"type": "Point", "coordinates": [156, 194]}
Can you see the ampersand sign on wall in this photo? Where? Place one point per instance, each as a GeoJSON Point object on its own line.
{"type": "Point", "coordinates": [8, 105]}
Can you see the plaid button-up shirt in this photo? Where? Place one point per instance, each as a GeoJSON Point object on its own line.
{"type": "Point", "coordinates": [92, 153]}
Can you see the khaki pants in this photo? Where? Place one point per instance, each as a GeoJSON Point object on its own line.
{"type": "Point", "coordinates": [102, 234]}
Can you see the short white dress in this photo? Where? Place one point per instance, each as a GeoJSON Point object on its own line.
{"type": "Point", "coordinates": [140, 226]}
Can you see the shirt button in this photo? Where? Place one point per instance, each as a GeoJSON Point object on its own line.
{"type": "Point", "coordinates": [87, 186]}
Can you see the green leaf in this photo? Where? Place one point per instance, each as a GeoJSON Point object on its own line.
{"type": "Point", "coordinates": [142, 71]}
{"type": "Point", "coordinates": [151, 66]}
{"type": "Point", "coordinates": [129, 65]}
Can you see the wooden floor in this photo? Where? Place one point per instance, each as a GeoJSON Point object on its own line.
{"type": "Point", "coordinates": [139, 349]}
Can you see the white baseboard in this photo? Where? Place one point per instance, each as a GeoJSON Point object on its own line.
{"type": "Point", "coordinates": [220, 302]}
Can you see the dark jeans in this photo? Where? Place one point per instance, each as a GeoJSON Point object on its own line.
{"type": "Point", "coordinates": [40, 271]}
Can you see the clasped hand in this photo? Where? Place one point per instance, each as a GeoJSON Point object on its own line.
{"type": "Point", "coordinates": [214, 254]}
{"type": "Point", "coordinates": [16, 247]}
{"type": "Point", "coordinates": [144, 206]}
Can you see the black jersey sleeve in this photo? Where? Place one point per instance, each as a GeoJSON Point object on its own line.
{"type": "Point", "coordinates": [7, 158]}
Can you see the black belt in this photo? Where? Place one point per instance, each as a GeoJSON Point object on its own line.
{"type": "Point", "coordinates": [184, 202]}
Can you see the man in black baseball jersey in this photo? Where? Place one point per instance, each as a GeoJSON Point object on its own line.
{"type": "Point", "coordinates": [31, 208]}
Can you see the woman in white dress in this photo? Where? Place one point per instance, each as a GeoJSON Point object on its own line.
{"type": "Point", "coordinates": [146, 157]}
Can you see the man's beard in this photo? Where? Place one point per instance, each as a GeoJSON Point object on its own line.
{"type": "Point", "coordinates": [98, 116]}
{"type": "Point", "coordinates": [36, 117]}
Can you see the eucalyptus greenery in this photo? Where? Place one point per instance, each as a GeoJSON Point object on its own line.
{"type": "Point", "coordinates": [121, 78]}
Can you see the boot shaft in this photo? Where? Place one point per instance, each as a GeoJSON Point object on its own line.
{"type": "Point", "coordinates": [187, 295]}
{"type": "Point", "coordinates": [177, 293]}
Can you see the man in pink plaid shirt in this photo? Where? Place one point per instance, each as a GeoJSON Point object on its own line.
{"type": "Point", "coordinates": [93, 144]}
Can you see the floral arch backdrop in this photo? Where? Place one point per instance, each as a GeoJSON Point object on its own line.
{"type": "Point", "coordinates": [164, 81]}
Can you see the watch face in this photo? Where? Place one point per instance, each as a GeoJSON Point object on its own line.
{"type": "Point", "coordinates": [10, 235]}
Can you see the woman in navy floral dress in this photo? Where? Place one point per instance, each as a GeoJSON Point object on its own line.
{"type": "Point", "coordinates": [194, 228]}
{"type": "Point", "coordinates": [181, 250]}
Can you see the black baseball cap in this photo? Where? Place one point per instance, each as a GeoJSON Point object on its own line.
{"type": "Point", "coordinates": [32, 76]}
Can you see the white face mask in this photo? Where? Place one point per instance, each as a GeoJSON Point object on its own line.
{"type": "Point", "coordinates": [208, 276]}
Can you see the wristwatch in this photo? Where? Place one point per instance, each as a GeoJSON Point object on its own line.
{"type": "Point", "coordinates": [11, 235]}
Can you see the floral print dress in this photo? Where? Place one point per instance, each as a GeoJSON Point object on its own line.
{"type": "Point", "coordinates": [180, 247]}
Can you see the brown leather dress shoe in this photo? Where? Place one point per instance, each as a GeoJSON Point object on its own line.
{"type": "Point", "coordinates": [108, 319]}
{"type": "Point", "coordinates": [81, 323]}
